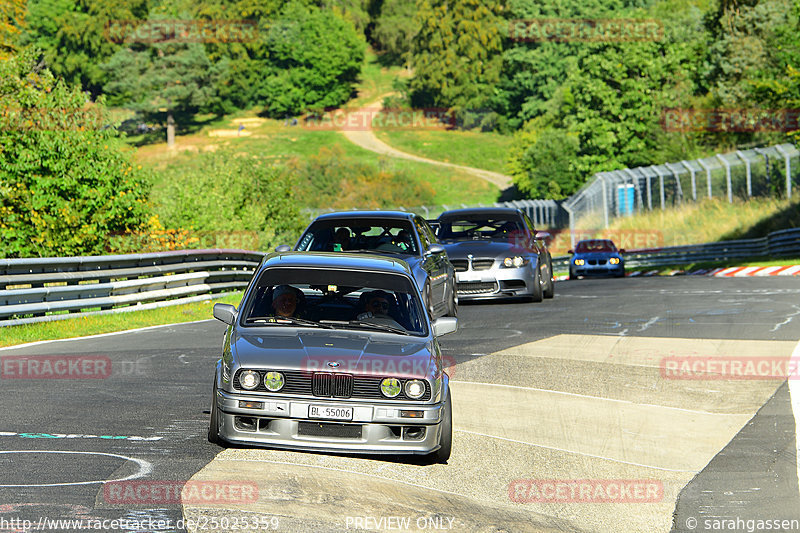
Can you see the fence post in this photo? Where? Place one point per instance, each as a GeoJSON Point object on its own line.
{"type": "Point", "coordinates": [788, 170]}
{"type": "Point", "coordinates": [571, 225]}
{"type": "Point", "coordinates": [676, 175]}
{"type": "Point", "coordinates": [727, 177]}
{"type": "Point", "coordinates": [747, 172]}
{"type": "Point", "coordinates": [661, 184]}
{"type": "Point", "coordinates": [694, 181]}
{"type": "Point", "coordinates": [605, 198]}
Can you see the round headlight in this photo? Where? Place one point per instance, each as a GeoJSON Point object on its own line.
{"type": "Point", "coordinates": [415, 389]}
{"type": "Point", "coordinates": [273, 381]}
{"type": "Point", "coordinates": [518, 261]}
{"type": "Point", "coordinates": [249, 379]}
{"type": "Point", "coordinates": [508, 262]}
{"type": "Point", "coordinates": [614, 260]}
{"type": "Point", "coordinates": [390, 387]}
{"type": "Point", "coordinates": [579, 262]}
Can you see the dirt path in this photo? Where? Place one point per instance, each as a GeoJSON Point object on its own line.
{"type": "Point", "coordinates": [365, 138]}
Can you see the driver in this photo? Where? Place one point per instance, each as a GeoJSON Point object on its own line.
{"type": "Point", "coordinates": [285, 300]}
{"type": "Point", "coordinates": [376, 309]}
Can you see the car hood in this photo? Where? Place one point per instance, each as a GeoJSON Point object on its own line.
{"type": "Point", "coordinates": [460, 250]}
{"type": "Point", "coordinates": [597, 255]}
{"type": "Point", "coordinates": [356, 352]}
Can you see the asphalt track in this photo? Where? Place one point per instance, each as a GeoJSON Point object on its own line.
{"type": "Point", "coordinates": [569, 390]}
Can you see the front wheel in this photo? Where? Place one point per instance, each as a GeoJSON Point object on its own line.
{"type": "Point", "coordinates": [446, 438]}
{"type": "Point", "coordinates": [452, 306]}
{"type": "Point", "coordinates": [536, 295]}
{"type": "Point", "coordinates": [213, 423]}
{"type": "Point", "coordinates": [550, 286]}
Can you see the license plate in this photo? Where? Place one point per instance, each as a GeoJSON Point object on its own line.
{"type": "Point", "coordinates": [330, 412]}
{"type": "Point", "coordinates": [468, 277]}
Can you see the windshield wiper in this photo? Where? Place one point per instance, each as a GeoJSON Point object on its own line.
{"type": "Point", "coordinates": [383, 327]}
{"type": "Point", "coordinates": [287, 320]}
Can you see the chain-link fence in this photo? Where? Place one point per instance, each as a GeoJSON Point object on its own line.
{"type": "Point", "coordinates": [771, 171]}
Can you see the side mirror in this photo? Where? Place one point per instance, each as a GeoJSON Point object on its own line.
{"type": "Point", "coordinates": [283, 248]}
{"type": "Point", "coordinates": [622, 250]}
{"type": "Point", "coordinates": [542, 235]}
{"type": "Point", "coordinates": [225, 313]}
{"type": "Point", "coordinates": [444, 325]}
{"type": "Point", "coordinates": [436, 249]}
{"type": "Point", "coordinates": [570, 251]}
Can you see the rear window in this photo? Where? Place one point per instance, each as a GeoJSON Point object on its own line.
{"type": "Point", "coordinates": [479, 227]}
{"type": "Point", "coordinates": [360, 235]}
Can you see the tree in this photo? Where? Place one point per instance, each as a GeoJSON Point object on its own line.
{"type": "Point", "coordinates": [456, 55]}
{"type": "Point", "coordinates": [74, 35]}
{"type": "Point", "coordinates": [66, 183]}
{"type": "Point", "coordinates": [12, 16]}
{"type": "Point", "coordinates": [396, 25]}
{"type": "Point", "coordinates": [170, 77]}
{"type": "Point", "coordinates": [314, 59]}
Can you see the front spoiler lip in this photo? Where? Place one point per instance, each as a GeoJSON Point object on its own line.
{"type": "Point", "coordinates": [498, 275]}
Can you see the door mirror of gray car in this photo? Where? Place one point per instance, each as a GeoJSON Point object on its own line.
{"type": "Point", "coordinates": [283, 248]}
{"type": "Point", "coordinates": [443, 325]}
{"type": "Point", "coordinates": [225, 313]}
{"type": "Point", "coordinates": [542, 235]}
{"type": "Point", "coordinates": [436, 249]}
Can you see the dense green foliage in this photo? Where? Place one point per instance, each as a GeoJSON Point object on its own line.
{"type": "Point", "coordinates": [66, 184]}
{"type": "Point", "coordinates": [240, 194]}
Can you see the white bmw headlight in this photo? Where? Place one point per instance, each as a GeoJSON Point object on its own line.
{"type": "Point", "coordinates": [249, 379]}
{"type": "Point", "coordinates": [515, 262]}
{"type": "Point", "coordinates": [415, 389]}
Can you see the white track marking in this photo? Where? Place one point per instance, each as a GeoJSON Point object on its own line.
{"type": "Point", "coordinates": [614, 400]}
{"type": "Point", "coordinates": [572, 451]}
{"type": "Point", "coordinates": [794, 394]}
{"type": "Point", "coordinates": [144, 468]}
{"type": "Point", "coordinates": [103, 334]}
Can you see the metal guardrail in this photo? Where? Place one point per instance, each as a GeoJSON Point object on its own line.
{"type": "Point", "coordinates": [32, 288]}
{"type": "Point", "coordinates": [782, 243]}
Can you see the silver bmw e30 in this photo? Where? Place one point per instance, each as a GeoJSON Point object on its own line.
{"type": "Point", "coordinates": [333, 352]}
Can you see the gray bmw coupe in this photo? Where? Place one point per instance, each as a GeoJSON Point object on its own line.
{"type": "Point", "coordinates": [333, 352]}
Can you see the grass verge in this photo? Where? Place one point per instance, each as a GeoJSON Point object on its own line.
{"type": "Point", "coordinates": [81, 326]}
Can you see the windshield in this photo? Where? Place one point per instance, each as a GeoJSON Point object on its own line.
{"type": "Point", "coordinates": [335, 299]}
{"type": "Point", "coordinates": [595, 246]}
{"type": "Point", "coordinates": [479, 227]}
{"type": "Point", "coordinates": [359, 235]}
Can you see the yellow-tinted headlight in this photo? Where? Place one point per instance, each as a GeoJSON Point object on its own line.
{"type": "Point", "coordinates": [273, 381]}
{"type": "Point", "coordinates": [614, 260]}
{"type": "Point", "coordinates": [390, 387]}
{"type": "Point", "coordinates": [579, 262]}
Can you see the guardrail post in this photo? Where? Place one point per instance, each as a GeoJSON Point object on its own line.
{"type": "Point", "coordinates": [788, 170]}
{"type": "Point", "coordinates": [747, 172]}
{"type": "Point", "coordinates": [708, 175]}
{"type": "Point", "coordinates": [727, 177]}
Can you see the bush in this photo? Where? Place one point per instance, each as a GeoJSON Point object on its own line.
{"type": "Point", "coordinates": [228, 200]}
{"type": "Point", "coordinates": [66, 183]}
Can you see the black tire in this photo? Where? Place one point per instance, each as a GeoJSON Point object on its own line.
{"type": "Point", "coordinates": [536, 295]}
{"type": "Point", "coordinates": [213, 423]}
{"type": "Point", "coordinates": [446, 437]}
{"type": "Point", "coordinates": [550, 286]}
{"type": "Point", "coordinates": [452, 306]}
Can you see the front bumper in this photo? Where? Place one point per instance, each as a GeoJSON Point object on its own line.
{"type": "Point", "coordinates": [495, 283]}
{"type": "Point", "coordinates": [598, 270]}
{"type": "Point", "coordinates": [284, 423]}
